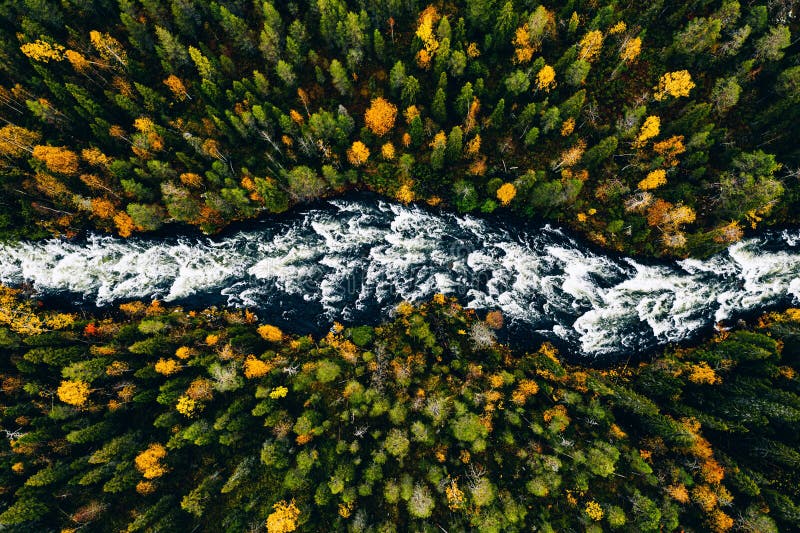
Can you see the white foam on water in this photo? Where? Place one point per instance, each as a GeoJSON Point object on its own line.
{"type": "Point", "coordinates": [357, 259]}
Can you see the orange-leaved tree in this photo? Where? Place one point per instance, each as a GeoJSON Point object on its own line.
{"type": "Point", "coordinates": [380, 116]}
{"type": "Point", "coordinates": [506, 193]}
{"type": "Point", "coordinates": [16, 140]}
{"type": "Point", "coordinates": [57, 159]}
{"type": "Point", "coordinates": [270, 333]}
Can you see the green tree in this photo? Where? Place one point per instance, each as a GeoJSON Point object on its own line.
{"type": "Point", "coordinates": [23, 510]}
{"type": "Point", "coordinates": [505, 23]}
{"type": "Point", "coordinates": [517, 82]}
{"type": "Point", "coordinates": [454, 144]}
{"type": "Point", "coordinates": [397, 77]}
{"type": "Point", "coordinates": [339, 78]}
{"type": "Point", "coordinates": [148, 217]}
{"type": "Point", "coordinates": [699, 35]}
{"type": "Point", "coordinates": [421, 503]}
{"type": "Point", "coordinates": [789, 83]}
{"type": "Point", "coordinates": [173, 54]}
{"type": "Point", "coordinates": [417, 132]}
{"type": "Point", "coordinates": [269, 41]}
{"type": "Point", "coordinates": [498, 114]}
{"type": "Point", "coordinates": [576, 73]}
{"type": "Point", "coordinates": [464, 100]}
{"type": "Point", "coordinates": [397, 443]}
{"type": "Point", "coordinates": [411, 89]}
{"type": "Point", "coordinates": [725, 94]}
{"type": "Point", "coordinates": [468, 428]}
{"type": "Point", "coordinates": [770, 47]}
{"type": "Point", "coordinates": [439, 106]}
{"type": "Point", "coordinates": [750, 185]}
{"type": "Point", "coordinates": [305, 184]}
{"type": "Point", "coordinates": [286, 74]}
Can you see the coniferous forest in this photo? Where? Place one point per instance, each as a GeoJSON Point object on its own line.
{"type": "Point", "coordinates": [660, 128]}
{"type": "Point", "coordinates": [666, 130]}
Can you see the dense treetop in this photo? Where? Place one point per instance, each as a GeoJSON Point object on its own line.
{"type": "Point", "coordinates": [167, 420]}
{"type": "Point", "coordinates": [657, 127]}
{"type": "Point", "coordinates": [653, 127]}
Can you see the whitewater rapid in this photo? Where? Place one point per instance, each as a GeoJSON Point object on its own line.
{"type": "Point", "coordinates": [354, 260]}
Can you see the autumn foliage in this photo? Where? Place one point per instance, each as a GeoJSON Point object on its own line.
{"type": "Point", "coordinates": [149, 462]}
{"type": "Point", "coordinates": [283, 518]}
{"type": "Point", "coordinates": [270, 333]}
{"type": "Point", "coordinates": [590, 45]}
{"type": "Point", "coordinates": [675, 84]}
{"type": "Point", "coordinates": [358, 154]}
{"type": "Point", "coordinates": [631, 49]}
{"type": "Point", "coordinates": [43, 51]}
{"type": "Point", "coordinates": [506, 193]}
{"type": "Point", "coordinates": [651, 128]}
{"type": "Point", "coordinates": [256, 368]}
{"type": "Point", "coordinates": [546, 78]}
{"type": "Point", "coordinates": [15, 141]}
{"type": "Point", "coordinates": [426, 34]}
{"type": "Point", "coordinates": [654, 179]}
{"type": "Point", "coordinates": [57, 159]}
{"type": "Point", "coordinates": [380, 116]}
{"type": "Point", "coordinates": [73, 392]}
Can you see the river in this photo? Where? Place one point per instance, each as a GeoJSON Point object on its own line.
{"type": "Point", "coordinates": [352, 260]}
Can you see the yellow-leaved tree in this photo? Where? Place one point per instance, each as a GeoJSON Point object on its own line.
{"type": "Point", "coordinates": [675, 84]}
{"type": "Point", "coordinates": [43, 51]}
{"type": "Point", "coordinates": [57, 159]}
{"type": "Point", "coordinates": [103, 208]}
{"type": "Point", "coordinates": [283, 518]}
{"type": "Point", "coordinates": [387, 151]}
{"type": "Point", "coordinates": [149, 461]}
{"type": "Point", "coordinates": [654, 179]}
{"type": "Point", "coordinates": [77, 60]}
{"type": "Point", "coordinates": [15, 141]}
{"type": "Point", "coordinates": [256, 368]}
{"type": "Point", "coordinates": [357, 154]}
{"type": "Point", "coordinates": [546, 78]}
{"type": "Point", "coordinates": [650, 129]}
{"type": "Point", "coordinates": [20, 316]}
{"type": "Point", "coordinates": [177, 87]}
{"type": "Point", "coordinates": [124, 223]}
{"type": "Point", "coordinates": [506, 193]}
{"type": "Point", "coordinates": [380, 116]}
{"type": "Point", "coordinates": [73, 392]}
{"type": "Point", "coordinates": [594, 511]}
{"type": "Point", "coordinates": [630, 49]}
{"type": "Point", "coordinates": [523, 50]}
{"type": "Point", "coordinates": [186, 406]}
{"type": "Point", "coordinates": [270, 333]}
{"type": "Point", "coordinates": [619, 27]}
{"type": "Point", "coordinates": [426, 34]}
{"type": "Point", "coordinates": [590, 45]}
{"type": "Point", "coordinates": [108, 47]}
{"type": "Point", "coordinates": [166, 367]}
{"type": "Point", "coordinates": [405, 194]}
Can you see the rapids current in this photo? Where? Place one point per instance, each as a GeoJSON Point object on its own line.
{"type": "Point", "coordinates": [354, 260]}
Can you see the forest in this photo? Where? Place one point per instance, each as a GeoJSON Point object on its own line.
{"type": "Point", "coordinates": [657, 128]}
{"type": "Point", "coordinates": [660, 129]}
{"type": "Point", "coordinates": [162, 419]}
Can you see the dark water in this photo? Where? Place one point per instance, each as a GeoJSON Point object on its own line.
{"type": "Point", "coordinates": [353, 260]}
